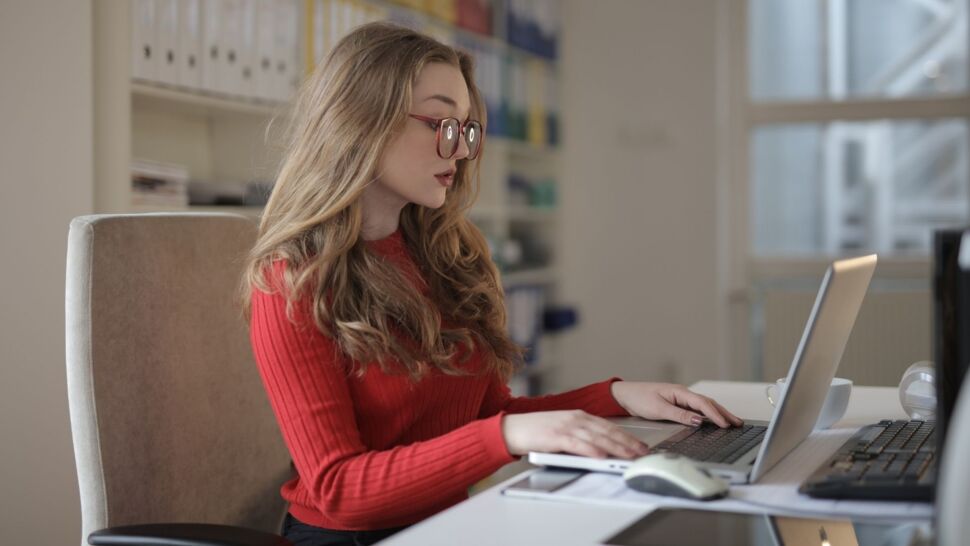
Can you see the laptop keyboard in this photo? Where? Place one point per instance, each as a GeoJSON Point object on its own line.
{"type": "Point", "coordinates": [711, 443]}
{"type": "Point", "coordinates": [891, 460]}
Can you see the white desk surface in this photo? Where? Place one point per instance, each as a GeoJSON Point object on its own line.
{"type": "Point", "coordinates": [490, 518]}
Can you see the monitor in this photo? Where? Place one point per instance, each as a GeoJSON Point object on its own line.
{"type": "Point", "coordinates": [951, 313]}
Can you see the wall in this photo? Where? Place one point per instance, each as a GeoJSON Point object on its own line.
{"type": "Point", "coordinates": [638, 189]}
{"type": "Point", "coordinates": [46, 176]}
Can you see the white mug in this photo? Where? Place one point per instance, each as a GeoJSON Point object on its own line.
{"type": "Point", "coordinates": [836, 401]}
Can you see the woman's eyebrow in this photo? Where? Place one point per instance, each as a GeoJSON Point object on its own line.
{"type": "Point", "coordinates": [445, 99]}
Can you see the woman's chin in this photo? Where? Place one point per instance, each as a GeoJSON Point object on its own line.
{"type": "Point", "coordinates": [432, 201]}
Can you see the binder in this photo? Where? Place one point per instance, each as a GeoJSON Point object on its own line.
{"type": "Point", "coordinates": [189, 54]}
{"type": "Point", "coordinates": [288, 74]}
{"type": "Point", "coordinates": [143, 50]}
{"type": "Point", "coordinates": [518, 99]}
{"type": "Point", "coordinates": [474, 15]}
{"type": "Point", "coordinates": [166, 40]}
{"type": "Point", "coordinates": [375, 13]}
{"type": "Point", "coordinates": [321, 31]}
{"type": "Point", "coordinates": [547, 23]}
{"type": "Point", "coordinates": [212, 45]}
{"type": "Point", "coordinates": [230, 34]}
{"type": "Point", "coordinates": [335, 25]}
{"type": "Point", "coordinates": [442, 9]}
{"type": "Point", "coordinates": [491, 85]}
{"type": "Point", "coordinates": [536, 120]}
{"type": "Point", "coordinates": [348, 13]}
{"type": "Point", "coordinates": [265, 85]}
{"type": "Point", "coordinates": [245, 73]}
{"type": "Point", "coordinates": [552, 107]}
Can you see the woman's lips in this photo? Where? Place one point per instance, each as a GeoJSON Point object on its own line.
{"type": "Point", "coordinates": [445, 179]}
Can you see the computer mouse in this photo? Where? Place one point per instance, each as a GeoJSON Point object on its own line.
{"type": "Point", "coordinates": [675, 476]}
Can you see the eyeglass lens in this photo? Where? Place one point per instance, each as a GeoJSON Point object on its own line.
{"type": "Point", "coordinates": [451, 132]}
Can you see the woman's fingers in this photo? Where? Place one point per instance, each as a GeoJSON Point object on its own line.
{"type": "Point", "coordinates": [578, 446]}
{"type": "Point", "coordinates": [708, 407]}
{"type": "Point", "coordinates": [613, 440]}
{"type": "Point", "coordinates": [734, 419]}
{"type": "Point", "coordinates": [678, 414]}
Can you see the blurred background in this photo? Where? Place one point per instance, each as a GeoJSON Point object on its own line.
{"type": "Point", "coordinates": [663, 185]}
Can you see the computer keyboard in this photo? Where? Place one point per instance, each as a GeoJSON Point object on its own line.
{"type": "Point", "coordinates": [711, 443]}
{"type": "Point", "coordinates": [891, 460]}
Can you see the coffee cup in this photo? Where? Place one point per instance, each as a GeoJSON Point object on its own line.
{"type": "Point", "coordinates": [836, 400]}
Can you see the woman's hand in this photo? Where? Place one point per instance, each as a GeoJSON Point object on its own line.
{"type": "Point", "coordinates": [671, 402]}
{"type": "Point", "coordinates": [569, 431]}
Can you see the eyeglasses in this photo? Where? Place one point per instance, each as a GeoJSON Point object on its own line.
{"type": "Point", "coordinates": [448, 131]}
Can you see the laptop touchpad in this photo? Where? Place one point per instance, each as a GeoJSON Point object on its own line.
{"type": "Point", "coordinates": [650, 432]}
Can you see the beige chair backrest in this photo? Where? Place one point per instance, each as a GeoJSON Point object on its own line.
{"type": "Point", "coordinates": [169, 418]}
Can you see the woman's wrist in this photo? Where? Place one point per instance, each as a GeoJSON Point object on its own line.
{"type": "Point", "coordinates": [618, 391]}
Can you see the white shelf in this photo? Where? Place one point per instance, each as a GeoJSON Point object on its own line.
{"type": "Point", "coordinates": [519, 149]}
{"type": "Point", "coordinates": [544, 275]}
{"type": "Point", "coordinates": [531, 214]}
{"type": "Point", "coordinates": [253, 212]}
{"type": "Point", "coordinates": [488, 212]}
{"type": "Point", "coordinates": [515, 214]}
{"type": "Point", "coordinates": [171, 99]}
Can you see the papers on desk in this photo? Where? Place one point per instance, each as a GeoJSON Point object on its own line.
{"type": "Point", "coordinates": [775, 493]}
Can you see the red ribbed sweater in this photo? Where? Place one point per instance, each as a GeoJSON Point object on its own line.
{"type": "Point", "coordinates": [383, 451]}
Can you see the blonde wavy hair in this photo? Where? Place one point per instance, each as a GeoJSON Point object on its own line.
{"type": "Point", "coordinates": [345, 115]}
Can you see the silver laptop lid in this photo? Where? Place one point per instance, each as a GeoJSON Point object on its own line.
{"type": "Point", "coordinates": [816, 359]}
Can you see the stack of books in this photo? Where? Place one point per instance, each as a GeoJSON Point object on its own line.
{"type": "Point", "coordinates": [158, 184]}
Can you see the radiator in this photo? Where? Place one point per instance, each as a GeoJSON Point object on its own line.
{"type": "Point", "coordinates": [893, 330]}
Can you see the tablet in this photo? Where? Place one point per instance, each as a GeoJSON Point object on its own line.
{"type": "Point", "coordinates": [670, 527]}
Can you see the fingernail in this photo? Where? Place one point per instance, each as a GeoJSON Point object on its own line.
{"type": "Point", "coordinates": [696, 420]}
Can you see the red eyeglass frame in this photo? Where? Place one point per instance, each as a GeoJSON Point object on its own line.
{"type": "Point", "coordinates": [439, 122]}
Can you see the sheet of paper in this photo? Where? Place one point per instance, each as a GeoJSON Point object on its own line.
{"type": "Point", "coordinates": [776, 492]}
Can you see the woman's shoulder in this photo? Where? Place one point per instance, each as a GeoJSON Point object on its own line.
{"type": "Point", "coordinates": [281, 278]}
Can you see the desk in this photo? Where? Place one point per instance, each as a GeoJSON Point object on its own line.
{"type": "Point", "coordinates": [490, 518]}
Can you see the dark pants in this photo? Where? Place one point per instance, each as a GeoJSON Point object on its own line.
{"type": "Point", "coordinates": [303, 534]}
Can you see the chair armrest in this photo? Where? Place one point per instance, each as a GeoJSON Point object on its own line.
{"type": "Point", "coordinates": [184, 534]}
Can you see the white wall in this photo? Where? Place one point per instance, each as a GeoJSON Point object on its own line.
{"type": "Point", "coordinates": [46, 176]}
{"type": "Point", "coordinates": [638, 189]}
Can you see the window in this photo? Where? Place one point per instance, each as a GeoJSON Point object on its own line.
{"type": "Point", "coordinates": [846, 132]}
{"type": "Point", "coordinates": [857, 127]}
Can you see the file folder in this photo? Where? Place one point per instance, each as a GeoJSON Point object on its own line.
{"type": "Point", "coordinates": [245, 73]}
{"type": "Point", "coordinates": [287, 41]}
{"type": "Point", "coordinates": [143, 40]}
{"type": "Point", "coordinates": [166, 39]}
{"type": "Point", "coordinates": [189, 53]}
{"type": "Point", "coordinates": [212, 45]}
{"type": "Point", "coordinates": [265, 86]}
{"type": "Point", "coordinates": [230, 34]}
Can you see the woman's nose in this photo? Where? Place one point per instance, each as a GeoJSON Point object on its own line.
{"type": "Point", "coordinates": [462, 151]}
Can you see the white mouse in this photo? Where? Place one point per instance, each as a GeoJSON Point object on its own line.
{"type": "Point", "coordinates": [673, 475]}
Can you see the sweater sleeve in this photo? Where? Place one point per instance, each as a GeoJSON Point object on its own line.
{"type": "Point", "coordinates": [308, 389]}
{"type": "Point", "coordinates": [595, 399]}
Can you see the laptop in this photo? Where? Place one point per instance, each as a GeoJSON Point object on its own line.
{"type": "Point", "coordinates": [759, 445]}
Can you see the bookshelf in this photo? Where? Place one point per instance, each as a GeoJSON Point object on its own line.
{"type": "Point", "coordinates": [222, 137]}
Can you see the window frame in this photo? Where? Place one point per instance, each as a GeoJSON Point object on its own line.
{"type": "Point", "coordinates": [740, 271]}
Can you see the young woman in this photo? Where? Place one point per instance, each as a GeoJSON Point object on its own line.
{"type": "Point", "coordinates": [377, 315]}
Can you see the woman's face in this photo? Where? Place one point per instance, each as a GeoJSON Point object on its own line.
{"type": "Point", "coordinates": [411, 170]}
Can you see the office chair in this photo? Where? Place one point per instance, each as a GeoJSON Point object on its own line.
{"type": "Point", "coordinates": [174, 438]}
{"type": "Point", "coordinates": [953, 485]}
